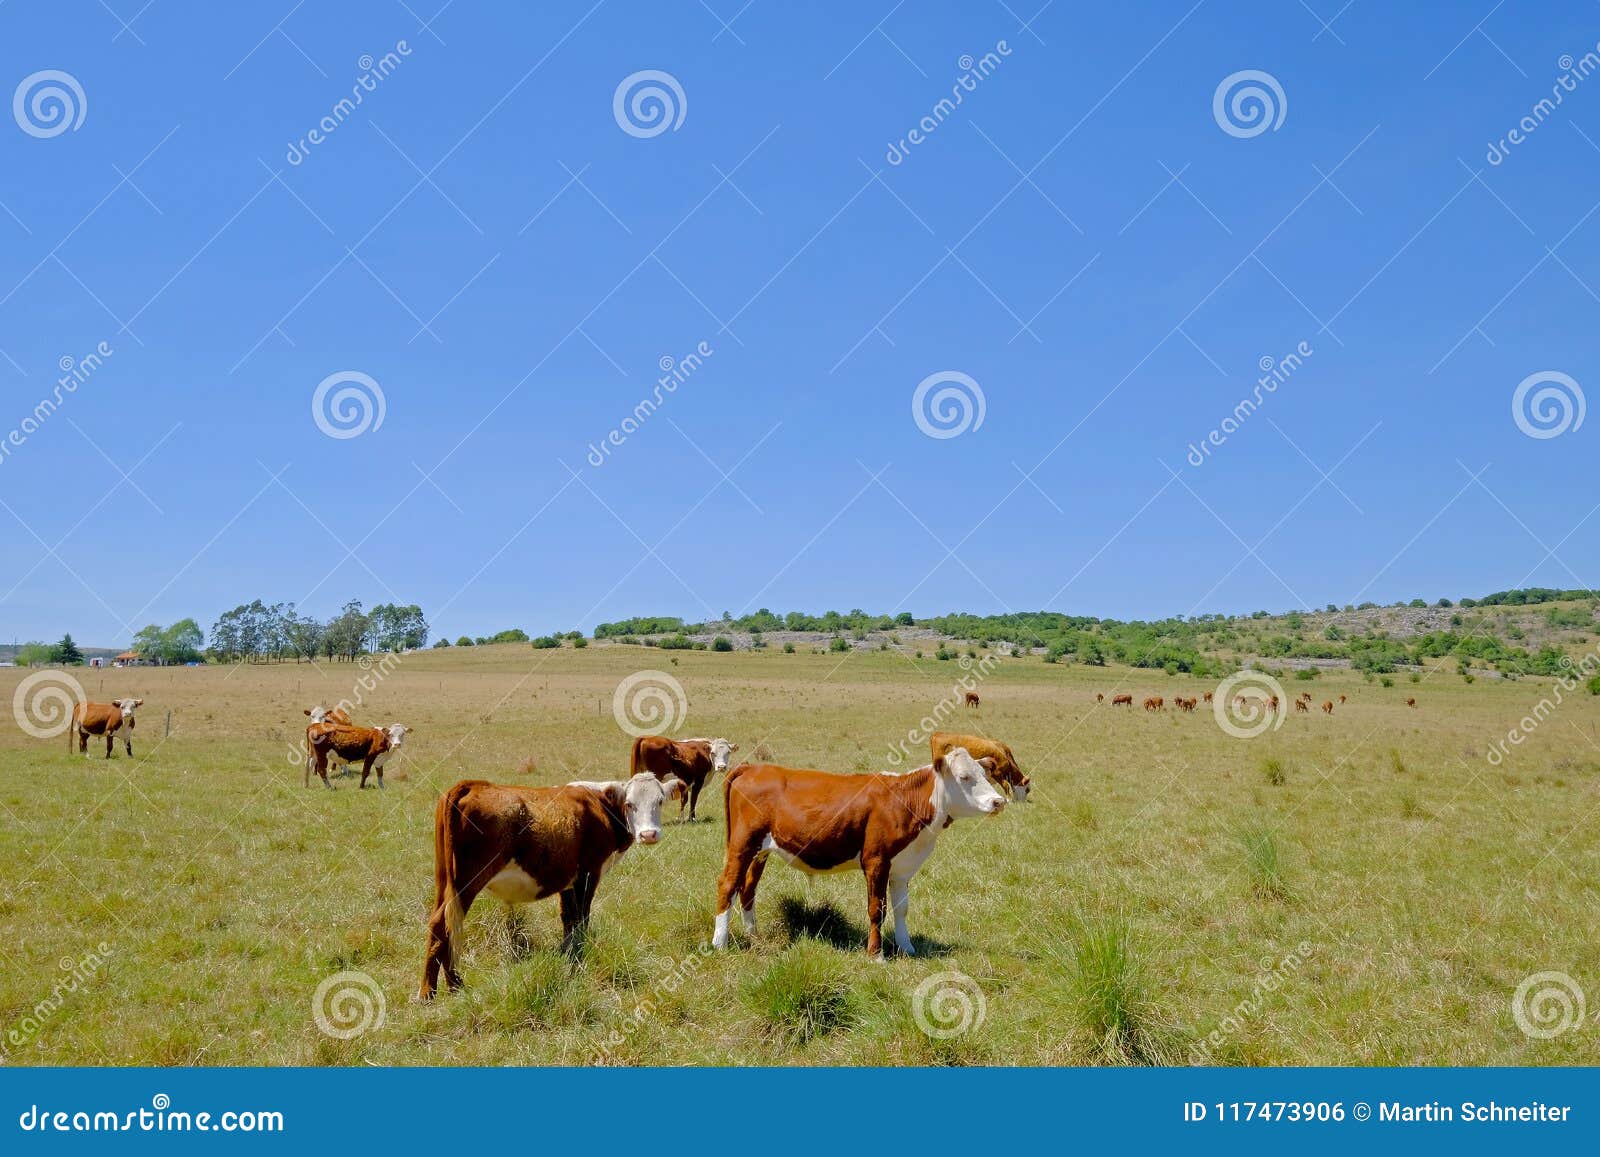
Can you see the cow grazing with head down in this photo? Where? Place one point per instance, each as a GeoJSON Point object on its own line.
{"type": "Point", "coordinates": [972, 699]}
{"type": "Point", "coordinates": [368, 746]}
{"type": "Point", "coordinates": [994, 755]}
{"type": "Point", "coordinates": [529, 843]}
{"type": "Point", "coordinates": [1122, 700]}
{"type": "Point", "coordinates": [886, 825]}
{"type": "Point", "coordinates": [692, 760]}
{"type": "Point", "coordinates": [108, 719]}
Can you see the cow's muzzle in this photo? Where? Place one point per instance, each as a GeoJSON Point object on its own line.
{"type": "Point", "coordinates": [649, 836]}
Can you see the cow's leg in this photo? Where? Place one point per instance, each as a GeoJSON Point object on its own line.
{"type": "Point", "coordinates": [735, 868]}
{"type": "Point", "coordinates": [127, 742]}
{"type": "Point", "coordinates": [900, 903]}
{"type": "Point", "coordinates": [322, 766]}
{"type": "Point", "coordinates": [747, 893]}
{"type": "Point", "coordinates": [111, 742]}
{"type": "Point", "coordinates": [378, 767]}
{"type": "Point", "coordinates": [444, 927]}
{"type": "Point", "coordinates": [694, 798]}
{"type": "Point", "coordinates": [366, 770]}
{"type": "Point", "coordinates": [877, 873]}
{"type": "Point", "coordinates": [575, 922]}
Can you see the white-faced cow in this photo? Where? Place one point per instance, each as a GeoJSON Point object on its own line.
{"type": "Point", "coordinates": [529, 843]}
{"type": "Point", "coordinates": [692, 760]}
{"type": "Point", "coordinates": [108, 719]}
{"type": "Point", "coordinates": [1006, 773]}
{"type": "Point", "coordinates": [321, 714]}
{"type": "Point", "coordinates": [885, 825]}
{"type": "Point", "coordinates": [368, 746]}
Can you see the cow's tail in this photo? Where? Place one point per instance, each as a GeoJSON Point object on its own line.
{"type": "Point", "coordinates": [72, 728]}
{"type": "Point", "coordinates": [727, 802]}
{"type": "Point", "coordinates": [636, 759]}
{"type": "Point", "coordinates": [445, 819]}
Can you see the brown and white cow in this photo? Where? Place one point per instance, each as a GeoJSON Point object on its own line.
{"type": "Point", "coordinates": [1004, 769]}
{"type": "Point", "coordinates": [1124, 700]}
{"type": "Point", "coordinates": [692, 760]}
{"type": "Point", "coordinates": [108, 719]}
{"type": "Point", "coordinates": [529, 843]}
{"type": "Point", "coordinates": [321, 714]}
{"type": "Point", "coordinates": [886, 825]}
{"type": "Point", "coordinates": [368, 746]}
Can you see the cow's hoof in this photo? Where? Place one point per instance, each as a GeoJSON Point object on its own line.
{"type": "Point", "coordinates": [878, 958]}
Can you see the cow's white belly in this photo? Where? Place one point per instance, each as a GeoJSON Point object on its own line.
{"type": "Point", "coordinates": [514, 886]}
{"type": "Point", "coordinates": [794, 861]}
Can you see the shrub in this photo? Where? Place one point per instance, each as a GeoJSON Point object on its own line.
{"type": "Point", "coordinates": [1273, 768]}
{"type": "Point", "coordinates": [464, 641]}
{"type": "Point", "coordinates": [721, 643]}
{"type": "Point", "coordinates": [546, 642]}
{"type": "Point", "coordinates": [1306, 674]}
{"type": "Point", "coordinates": [678, 642]}
{"type": "Point", "coordinates": [1386, 681]}
{"type": "Point", "coordinates": [840, 643]}
{"type": "Point", "coordinates": [1594, 685]}
{"type": "Point", "coordinates": [580, 643]}
{"type": "Point", "coordinates": [441, 643]}
{"type": "Point", "coordinates": [788, 648]}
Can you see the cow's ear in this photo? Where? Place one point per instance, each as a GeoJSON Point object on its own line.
{"type": "Point", "coordinates": [989, 764]}
{"type": "Point", "coordinates": [674, 787]}
{"type": "Point", "coordinates": [938, 765]}
{"type": "Point", "coordinates": [733, 747]}
{"type": "Point", "coordinates": [616, 795]}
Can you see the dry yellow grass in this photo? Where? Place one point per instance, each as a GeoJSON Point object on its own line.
{"type": "Point", "coordinates": [1123, 915]}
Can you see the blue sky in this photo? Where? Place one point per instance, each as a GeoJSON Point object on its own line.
{"type": "Point", "coordinates": [1081, 237]}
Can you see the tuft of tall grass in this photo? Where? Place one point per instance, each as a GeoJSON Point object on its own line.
{"type": "Point", "coordinates": [1112, 1002]}
{"type": "Point", "coordinates": [1265, 861]}
{"type": "Point", "coordinates": [802, 995]}
{"type": "Point", "coordinates": [1272, 767]}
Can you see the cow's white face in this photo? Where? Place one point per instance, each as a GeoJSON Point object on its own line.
{"type": "Point", "coordinates": [721, 749]}
{"type": "Point", "coordinates": [126, 706]}
{"type": "Point", "coordinates": [967, 789]}
{"type": "Point", "coordinates": [319, 714]}
{"type": "Point", "coordinates": [1019, 791]}
{"type": "Point", "coordinates": [639, 800]}
{"type": "Point", "coordinates": [396, 733]}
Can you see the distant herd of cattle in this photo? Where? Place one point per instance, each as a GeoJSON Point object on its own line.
{"type": "Point", "coordinates": [529, 843]}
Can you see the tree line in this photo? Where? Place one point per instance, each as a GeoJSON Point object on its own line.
{"type": "Point", "coordinates": [255, 632]}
